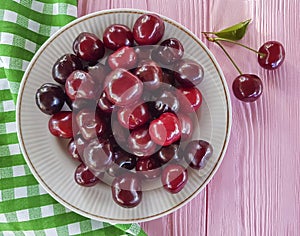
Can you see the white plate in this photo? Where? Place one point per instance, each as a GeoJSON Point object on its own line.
{"type": "Point", "coordinates": [47, 156]}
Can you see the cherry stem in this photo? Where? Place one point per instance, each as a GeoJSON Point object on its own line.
{"type": "Point", "coordinates": [230, 58]}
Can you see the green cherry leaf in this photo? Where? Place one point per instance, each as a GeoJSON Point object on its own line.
{"type": "Point", "coordinates": [235, 32]}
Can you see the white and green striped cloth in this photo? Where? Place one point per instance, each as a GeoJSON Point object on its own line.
{"type": "Point", "coordinates": [25, 207]}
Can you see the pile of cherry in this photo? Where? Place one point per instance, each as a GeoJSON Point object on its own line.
{"type": "Point", "coordinates": [128, 115]}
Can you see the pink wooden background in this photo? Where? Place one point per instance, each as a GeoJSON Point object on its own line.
{"type": "Point", "coordinates": [257, 188]}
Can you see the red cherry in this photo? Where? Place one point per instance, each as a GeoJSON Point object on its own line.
{"type": "Point", "coordinates": [148, 167]}
{"type": "Point", "coordinates": [190, 99]}
{"type": "Point", "coordinates": [124, 57]}
{"type": "Point", "coordinates": [174, 177]}
{"type": "Point", "coordinates": [273, 57]}
{"type": "Point", "coordinates": [88, 47]}
{"type": "Point", "coordinates": [104, 104]}
{"type": "Point", "coordinates": [122, 88]}
{"type": "Point", "coordinates": [247, 87]}
{"type": "Point", "coordinates": [186, 125]}
{"type": "Point", "coordinates": [148, 29]}
{"type": "Point", "coordinates": [116, 36]}
{"type": "Point", "coordinates": [84, 177]}
{"type": "Point", "coordinates": [60, 124]}
{"type": "Point", "coordinates": [165, 130]}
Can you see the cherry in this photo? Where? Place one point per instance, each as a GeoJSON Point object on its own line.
{"type": "Point", "coordinates": [168, 77]}
{"type": "Point", "coordinates": [140, 142]}
{"type": "Point", "coordinates": [150, 73]}
{"type": "Point", "coordinates": [133, 116]}
{"type": "Point", "coordinates": [72, 150]}
{"type": "Point", "coordinates": [165, 130]}
{"type": "Point", "coordinates": [247, 87]}
{"type": "Point", "coordinates": [120, 134]}
{"type": "Point", "coordinates": [80, 144]}
{"type": "Point", "coordinates": [197, 153]}
{"type": "Point", "coordinates": [271, 55]}
{"type": "Point", "coordinates": [190, 99]}
{"type": "Point", "coordinates": [124, 57]}
{"type": "Point", "coordinates": [50, 98]}
{"type": "Point", "coordinates": [122, 88]}
{"type": "Point", "coordinates": [104, 104]}
{"type": "Point", "coordinates": [186, 125]}
{"type": "Point", "coordinates": [88, 47]}
{"type": "Point", "coordinates": [116, 36]}
{"type": "Point", "coordinates": [174, 177]}
{"type": "Point", "coordinates": [124, 159]}
{"type": "Point", "coordinates": [188, 73]}
{"type": "Point", "coordinates": [89, 123]}
{"type": "Point", "coordinates": [98, 156]}
{"type": "Point", "coordinates": [84, 177]}
{"type": "Point", "coordinates": [169, 51]}
{"type": "Point", "coordinates": [167, 102]}
{"type": "Point", "coordinates": [64, 66]}
{"type": "Point", "coordinates": [127, 190]}
{"type": "Point", "coordinates": [60, 124]}
{"type": "Point", "coordinates": [149, 168]}
{"type": "Point", "coordinates": [148, 29]}
{"type": "Point", "coordinates": [80, 84]}
{"type": "Point", "coordinates": [169, 153]}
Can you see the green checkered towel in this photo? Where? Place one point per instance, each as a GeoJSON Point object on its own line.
{"type": "Point", "coordinates": [25, 207]}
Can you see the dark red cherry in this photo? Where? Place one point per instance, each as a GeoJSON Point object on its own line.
{"type": "Point", "coordinates": [90, 123]}
{"type": "Point", "coordinates": [64, 66]}
{"type": "Point", "coordinates": [169, 51]}
{"type": "Point", "coordinates": [190, 99]}
{"type": "Point", "coordinates": [50, 98]}
{"type": "Point", "coordinates": [124, 57]}
{"type": "Point", "coordinates": [167, 101]}
{"type": "Point", "coordinates": [148, 29]}
{"type": "Point", "coordinates": [186, 125]}
{"type": "Point", "coordinates": [116, 36]}
{"type": "Point", "coordinates": [169, 153]}
{"type": "Point", "coordinates": [104, 104]}
{"type": "Point", "coordinates": [72, 150]}
{"type": "Point", "coordinates": [119, 133]}
{"type": "Point", "coordinates": [80, 84]}
{"type": "Point", "coordinates": [197, 153]}
{"type": "Point", "coordinates": [140, 142]}
{"type": "Point", "coordinates": [88, 47]}
{"type": "Point", "coordinates": [148, 167]}
{"type": "Point", "coordinates": [127, 190]}
{"type": "Point", "coordinates": [174, 177]}
{"type": "Point", "coordinates": [150, 74]}
{"type": "Point", "coordinates": [188, 73]}
{"type": "Point", "coordinates": [247, 87]}
{"type": "Point", "coordinates": [168, 77]}
{"type": "Point", "coordinates": [273, 57]}
{"type": "Point", "coordinates": [60, 124]}
{"type": "Point", "coordinates": [133, 116]}
{"type": "Point", "coordinates": [84, 177]}
{"type": "Point", "coordinates": [122, 88]}
{"type": "Point", "coordinates": [165, 130]}
{"type": "Point", "coordinates": [98, 155]}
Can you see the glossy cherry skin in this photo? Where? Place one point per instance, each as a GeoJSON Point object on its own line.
{"type": "Point", "coordinates": [84, 177]}
{"type": "Point", "coordinates": [247, 87]}
{"type": "Point", "coordinates": [167, 101]}
{"type": "Point", "coordinates": [148, 168]}
{"type": "Point", "coordinates": [165, 130]}
{"type": "Point", "coordinates": [80, 84]}
{"type": "Point", "coordinates": [60, 124]}
{"type": "Point", "coordinates": [127, 190]}
{"type": "Point", "coordinates": [197, 153]}
{"type": "Point", "coordinates": [186, 125]}
{"type": "Point", "coordinates": [64, 66]}
{"type": "Point", "coordinates": [169, 153]}
{"type": "Point", "coordinates": [88, 47]}
{"type": "Point", "coordinates": [90, 124]}
{"type": "Point", "coordinates": [190, 99]}
{"type": "Point", "coordinates": [274, 55]}
{"type": "Point", "coordinates": [140, 142]}
{"type": "Point", "coordinates": [150, 73]}
{"type": "Point", "coordinates": [104, 104]}
{"type": "Point", "coordinates": [72, 150]}
{"type": "Point", "coordinates": [134, 116]}
{"type": "Point", "coordinates": [174, 177]}
{"type": "Point", "coordinates": [122, 88]}
{"type": "Point", "coordinates": [124, 57]}
{"type": "Point", "coordinates": [50, 98]}
{"type": "Point", "coordinates": [116, 36]}
{"type": "Point", "coordinates": [98, 155]}
{"type": "Point", "coordinates": [148, 29]}
{"type": "Point", "coordinates": [169, 51]}
{"type": "Point", "coordinates": [188, 73]}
